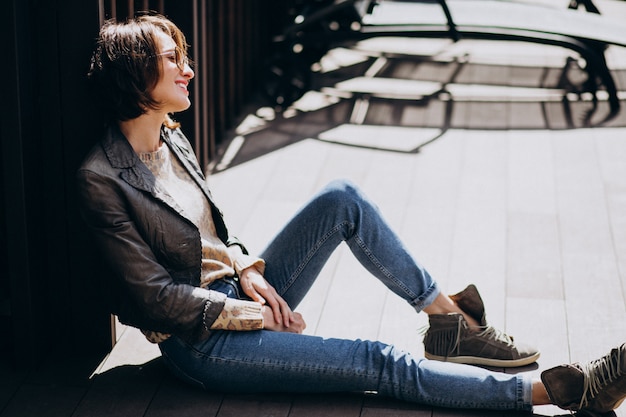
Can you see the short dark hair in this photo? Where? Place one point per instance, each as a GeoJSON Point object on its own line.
{"type": "Point", "coordinates": [124, 69]}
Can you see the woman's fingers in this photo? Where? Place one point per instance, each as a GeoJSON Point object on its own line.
{"type": "Point", "coordinates": [298, 325]}
{"type": "Point", "coordinates": [282, 312]}
{"type": "Point", "coordinates": [257, 288]}
{"type": "Point", "coordinates": [251, 282]}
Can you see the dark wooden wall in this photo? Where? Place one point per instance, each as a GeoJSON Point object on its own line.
{"type": "Point", "coordinates": [49, 293]}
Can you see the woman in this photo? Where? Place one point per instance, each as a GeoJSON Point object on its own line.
{"type": "Point", "coordinates": [223, 319]}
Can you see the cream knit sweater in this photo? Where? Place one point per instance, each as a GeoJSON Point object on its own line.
{"type": "Point", "coordinates": [218, 260]}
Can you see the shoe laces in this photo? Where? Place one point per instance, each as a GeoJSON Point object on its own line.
{"type": "Point", "coordinates": [487, 332]}
{"type": "Point", "coordinates": [598, 374]}
{"type": "Point", "coordinates": [492, 333]}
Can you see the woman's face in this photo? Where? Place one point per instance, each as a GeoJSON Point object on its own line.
{"type": "Point", "coordinates": [171, 90]}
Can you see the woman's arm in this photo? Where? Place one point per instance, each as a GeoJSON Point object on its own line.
{"type": "Point", "coordinates": [158, 302]}
{"type": "Point", "coordinates": [278, 315]}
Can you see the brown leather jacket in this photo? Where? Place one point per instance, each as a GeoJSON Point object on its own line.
{"type": "Point", "coordinates": [151, 253]}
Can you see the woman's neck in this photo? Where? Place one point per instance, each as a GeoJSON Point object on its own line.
{"type": "Point", "coordinates": [143, 133]}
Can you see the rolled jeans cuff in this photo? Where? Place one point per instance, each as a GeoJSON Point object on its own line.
{"type": "Point", "coordinates": [427, 298]}
{"type": "Point", "coordinates": [525, 398]}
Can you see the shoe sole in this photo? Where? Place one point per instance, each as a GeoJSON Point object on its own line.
{"type": "Point", "coordinates": [585, 413]}
{"type": "Point", "coordinates": [473, 360]}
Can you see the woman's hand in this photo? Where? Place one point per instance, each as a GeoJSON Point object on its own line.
{"type": "Point", "coordinates": [256, 287]}
{"type": "Point", "coordinates": [297, 325]}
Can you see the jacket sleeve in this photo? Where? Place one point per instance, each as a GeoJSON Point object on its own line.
{"type": "Point", "coordinates": [146, 294]}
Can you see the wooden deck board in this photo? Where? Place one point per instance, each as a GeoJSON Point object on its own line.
{"type": "Point", "coordinates": [32, 400]}
{"type": "Point", "coordinates": [591, 279]}
{"type": "Point", "coordinates": [265, 406]}
{"type": "Point", "coordinates": [327, 405]}
{"type": "Point", "coordinates": [175, 398]}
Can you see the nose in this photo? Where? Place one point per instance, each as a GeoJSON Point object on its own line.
{"type": "Point", "coordinates": [188, 72]}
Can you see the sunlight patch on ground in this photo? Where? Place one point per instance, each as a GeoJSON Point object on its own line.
{"type": "Point", "coordinates": [395, 138]}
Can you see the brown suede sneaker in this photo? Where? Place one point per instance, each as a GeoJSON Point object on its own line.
{"type": "Point", "coordinates": [594, 388]}
{"type": "Point", "coordinates": [449, 337]}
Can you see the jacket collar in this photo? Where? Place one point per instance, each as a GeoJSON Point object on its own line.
{"type": "Point", "coordinates": [122, 156]}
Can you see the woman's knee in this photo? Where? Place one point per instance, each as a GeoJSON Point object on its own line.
{"type": "Point", "coordinates": [341, 191]}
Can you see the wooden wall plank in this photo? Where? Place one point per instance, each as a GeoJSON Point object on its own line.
{"type": "Point", "coordinates": [16, 279]}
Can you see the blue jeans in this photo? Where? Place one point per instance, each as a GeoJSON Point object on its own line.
{"type": "Point", "coordinates": [266, 361]}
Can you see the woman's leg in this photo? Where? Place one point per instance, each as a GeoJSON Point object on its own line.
{"type": "Point", "coordinates": [265, 361]}
{"type": "Point", "coordinates": [458, 330]}
{"type": "Point", "coordinates": [341, 213]}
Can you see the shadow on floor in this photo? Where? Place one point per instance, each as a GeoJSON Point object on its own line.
{"type": "Point", "coordinates": [437, 95]}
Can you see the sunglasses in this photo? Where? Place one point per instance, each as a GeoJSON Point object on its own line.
{"type": "Point", "coordinates": [177, 55]}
